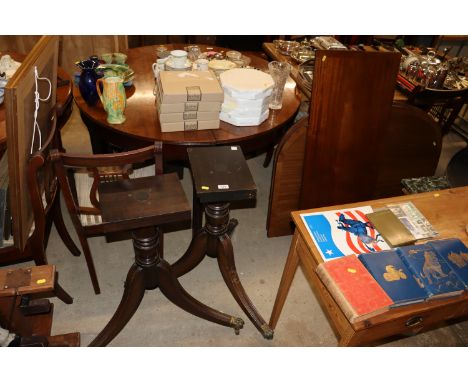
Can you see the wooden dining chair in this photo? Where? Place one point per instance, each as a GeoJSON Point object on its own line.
{"type": "Point", "coordinates": [442, 105]}
{"type": "Point", "coordinates": [44, 190]}
{"type": "Point", "coordinates": [79, 177]}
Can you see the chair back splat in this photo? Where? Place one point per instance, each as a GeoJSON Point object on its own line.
{"type": "Point", "coordinates": [80, 175]}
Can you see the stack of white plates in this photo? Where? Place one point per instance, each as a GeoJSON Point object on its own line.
{"type": "Point", "coordinates": [246, 96]}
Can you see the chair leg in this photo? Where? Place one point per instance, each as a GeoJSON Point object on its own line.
{"type": "Point", "coordinates": [90, 263]}
{"type": "Point", "coordinates": [38, 255]}
{"type": "Point", "coordinates": [269, 156]}
{"type": "Point", "coordinates": [62, 294]}
{"type": "Point", "coordinates": [63, 232]}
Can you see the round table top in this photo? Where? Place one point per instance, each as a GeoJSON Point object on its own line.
{"type": "Point", "coordinates": [63, 95]}
{"type": "Point", "coordinates": [142, 120]}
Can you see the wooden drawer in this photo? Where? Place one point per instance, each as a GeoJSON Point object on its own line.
{"type": "Point", "coordinates": [414, 322]}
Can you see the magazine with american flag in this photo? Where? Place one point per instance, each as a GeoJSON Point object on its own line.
{"type": "Point", "coordinates": [343, 232]}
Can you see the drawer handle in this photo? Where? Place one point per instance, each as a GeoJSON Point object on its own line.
{"type": "Point", "coordinates": [413, 321]}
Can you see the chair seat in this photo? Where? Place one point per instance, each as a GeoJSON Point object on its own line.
{"type": "Point", "coordinates": [142, 202]}
{"type": "Point", "coordinates": [84, 182]}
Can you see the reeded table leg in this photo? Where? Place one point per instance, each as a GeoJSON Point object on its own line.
{"type": "Point", "coordinates": [173, 290]}
{"type": "Point", "coordinates": [219, 245]}
{"type": "Point", "coordinates": [140, 277]}
{"type": "Point", "coordinates": [131, 299]}
{"type": "Point", "coordinates": [227, 267]}
{"type": "Point", "coordinates": [193, 256]}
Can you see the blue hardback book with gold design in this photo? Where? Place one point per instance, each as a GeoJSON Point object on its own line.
{"type": "Point", "coordinates": [432, 270]}
{"type": "Point", "coordinates": [455, 254]}
{"type": "Point", "coordinates": [394, 277]}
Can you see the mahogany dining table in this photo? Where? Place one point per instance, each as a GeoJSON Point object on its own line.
{"type": "Point", "coordinates": [142, 126]}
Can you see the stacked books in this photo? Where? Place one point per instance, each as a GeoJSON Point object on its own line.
{"type": "Point", "coordinates": [188, 100]}
{"type": "Point", "coordinates": [246, 96]}
{"type": "Point", "coordinates": [406, 275]}
{"type": "Point", "coordinates": [401, 224]}
{"type": "Point", "coordinates": [353, 288]}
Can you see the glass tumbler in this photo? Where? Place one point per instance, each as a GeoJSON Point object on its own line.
{"type": "Point", "coordinates": [280, 72]}
{"type": "Point", "coordinates": [194, 52]}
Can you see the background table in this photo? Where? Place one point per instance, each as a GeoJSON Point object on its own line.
{"type": "Point", "coordinates": [270, 49]}
{"type": "Point", "coordinates": [142, 125]}
{"type": "Point", "coordinates": [447, 211]}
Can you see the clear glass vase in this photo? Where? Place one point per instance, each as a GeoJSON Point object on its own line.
{"type": "Point", "coordinates": [280, 72]}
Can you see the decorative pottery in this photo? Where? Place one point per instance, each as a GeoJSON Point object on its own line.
{"type": "Point", "coordinates": [87, 82]}
{"type": "Point", "coordinates": [113, 98]}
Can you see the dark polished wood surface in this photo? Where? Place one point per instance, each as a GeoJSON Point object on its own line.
{"type": "Point", "coordinates": [412, 148]}
{"type": "Point", "coordinates": [142, 124]}
{"type": "Point", "coordinates": [64, 95]}
{"type": "Point", "coordinates": [349, 115]}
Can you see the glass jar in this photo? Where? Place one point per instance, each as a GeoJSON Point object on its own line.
{"type": "Point", "coordinates": [438, 80]}
{"type": "Point", "coordinates": [233, 55]}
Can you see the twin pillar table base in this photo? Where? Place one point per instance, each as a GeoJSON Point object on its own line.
{"type": "Point", "coordinates": [220, 175]}
{"type": "Point", "coordinates": [151, 271]}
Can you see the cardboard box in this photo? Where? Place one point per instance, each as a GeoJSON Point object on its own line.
{"type": "Point", "coordinates": [189, 115]}
{"type": "Point", "coordinates": [189, 106]}
{"type": "Point", "coordinates": [192, 125]}
{"type": "Point", "coordinates": [184, 106]}
{"type": "Point", "coordinates": [189, 86]}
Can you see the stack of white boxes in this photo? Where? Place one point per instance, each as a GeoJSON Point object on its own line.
{"type": "Point", "coordinates": [246, 96]}
{"type": "Point", "coordinates": [188, 100]}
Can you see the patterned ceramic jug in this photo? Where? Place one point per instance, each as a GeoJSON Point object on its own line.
{"type": "Point", "coordinates": [113, 98]}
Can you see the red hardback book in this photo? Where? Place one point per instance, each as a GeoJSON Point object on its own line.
{"type": "Point", "coordinates": [353, 288]}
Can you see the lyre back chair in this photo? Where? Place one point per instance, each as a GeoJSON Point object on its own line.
{"type": "Point", "coordinates": [79, 177]}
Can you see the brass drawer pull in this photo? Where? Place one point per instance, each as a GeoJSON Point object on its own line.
{"type": "Point", "coordinates": [413, 321]}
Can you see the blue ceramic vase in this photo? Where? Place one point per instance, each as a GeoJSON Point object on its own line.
{"type": "Point", "coordinates": [88, 78]}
